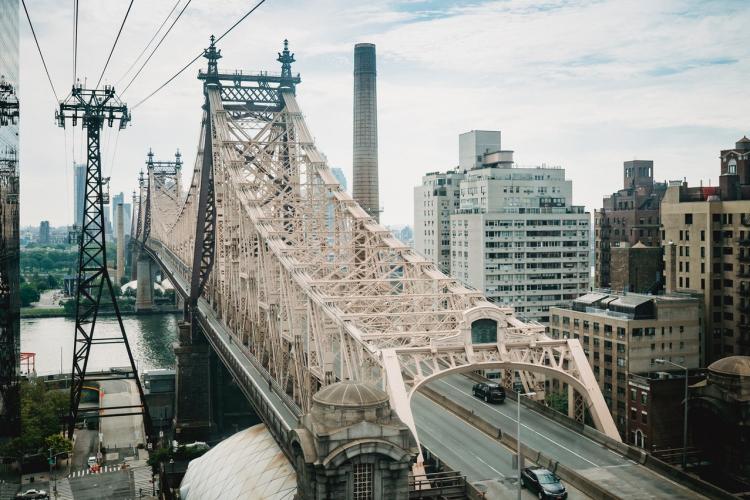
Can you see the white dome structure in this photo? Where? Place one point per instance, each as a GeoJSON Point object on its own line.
{"type": "Point", "coordinates": [248, 464]}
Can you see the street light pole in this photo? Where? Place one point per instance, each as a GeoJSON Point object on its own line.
{"type": "Point", "coordinates": [518, 436]}
{"type": "Point", "coordinates": [685, 417]}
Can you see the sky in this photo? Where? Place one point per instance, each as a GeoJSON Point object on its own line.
{"type": "Point", "coordinates": [583, 84]}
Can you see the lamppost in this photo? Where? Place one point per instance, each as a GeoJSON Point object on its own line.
{"type": "Point", "coordinates": [685, 418]}
{"type": "Point", "coordinates": [518, 435]}
{"type": "Point", "coordinates": [52, 461]}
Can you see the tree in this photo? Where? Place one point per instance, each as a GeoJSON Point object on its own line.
{"type": "Point", "coordinates": [28, 294]}
{"type": "Point", "coordinates": [124, 280]}
{"type": "Point", "coordinates": [58, 443]}
{"type": "Point", "coordinates": [42, 413]}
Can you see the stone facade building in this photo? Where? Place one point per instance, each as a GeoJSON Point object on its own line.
{"type": "Point", "coordinates": [628, 217]}
{"type": "Point", "coordinates": [706, 239]}
{"type": "Point", "coordinates": [352, 445]}
{"type": "Point", "coordinates": [623, 334]}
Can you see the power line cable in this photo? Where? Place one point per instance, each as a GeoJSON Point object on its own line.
{"type": "Point", "coordinates": [114, 44]}
{"type": "Point", "coordinates": [149, 43]}
{"type": "Point", "coordinates": [198, 56]}
{"type": "Point", "coordinates": [157, 46]}
{"type": "Point", "coordinates": [31, 25]}
{"type": "Point", "coordinates": [75, 40]}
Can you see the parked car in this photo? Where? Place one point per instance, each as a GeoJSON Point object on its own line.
{"type": "Point", "coordinates": [490, 392]}
{"type": "Point", "coordinates": [36, 494]}
{"type": "Point", "coordinates": [543, 483]}
{"type": "Point", "coordinates": [92, 461]}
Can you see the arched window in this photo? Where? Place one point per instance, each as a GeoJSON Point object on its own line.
{"type": "Point", "coordinates": [484, 331]}
{"type": "Point", "coordinates": [732, 167]}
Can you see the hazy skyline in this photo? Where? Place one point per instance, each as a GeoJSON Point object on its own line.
{"type": "Point", "coordinates": [581, 84]}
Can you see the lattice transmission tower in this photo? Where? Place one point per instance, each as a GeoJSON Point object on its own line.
{"type": "Point", "coordinates": [9, 277]}
{"type": "Point", "coordinates": [93, 108]}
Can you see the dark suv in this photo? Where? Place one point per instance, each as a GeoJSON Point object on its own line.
{"type": "Point", "coordinates": [492, 393]}
{"type": "Point", "coordinates": [543, 483]}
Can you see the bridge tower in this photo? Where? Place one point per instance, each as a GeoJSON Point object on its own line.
{"type": "Point", "coordinates": [93, 108]}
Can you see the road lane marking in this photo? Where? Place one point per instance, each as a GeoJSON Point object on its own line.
{"type": "Point", "coordinates": [491, 467]}
{"type": "Point", "coordinates": [597, 444]}
{"type": "Point", "coordinates": [523, 425]}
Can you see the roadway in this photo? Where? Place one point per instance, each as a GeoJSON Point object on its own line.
{"type": "Point", "coordinates": [468, 449]}
{"type": "Point", "coordinates": [123, 432]}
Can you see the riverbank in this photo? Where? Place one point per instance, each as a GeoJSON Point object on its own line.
{"type": "Point", "coordinates": [59, 312]}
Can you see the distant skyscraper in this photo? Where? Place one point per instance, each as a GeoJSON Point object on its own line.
{"type": "Point", "coordinates": [79, 192]}
{"type": "Point", "coordinates": [44, 232]}
{"type": "Point", "coordinates": [126, 210]}
{"type": "Point", "coordinates": [340, 176]}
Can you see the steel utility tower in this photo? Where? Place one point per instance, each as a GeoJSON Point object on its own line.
{"type": "Point", "coordinates": [9, 298]}
{"type": "Point", "coordinates": [93, 108]}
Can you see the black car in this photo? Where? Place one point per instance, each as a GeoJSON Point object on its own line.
{"type": "Point", "coordinates": [492, 393]}
{"type": "Point", "coordinates": [545, 484]}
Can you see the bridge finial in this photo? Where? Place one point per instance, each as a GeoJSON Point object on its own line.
{"type": "Point", "coordinates": [286, 59]}
{"type": "Point", "coordinates": [150, 161]}
{"type": "Point", "coordinates": [178, 158]}
{"type": "Point", "coordinates": [213, 55]}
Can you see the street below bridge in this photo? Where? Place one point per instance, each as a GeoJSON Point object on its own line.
{"type": "Point", "coordinates": [481, 457]}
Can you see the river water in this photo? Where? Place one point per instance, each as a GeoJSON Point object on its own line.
{"type": "Point", "coordinates": [150, 338]}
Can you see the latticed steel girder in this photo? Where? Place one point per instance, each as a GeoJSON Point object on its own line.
{"type": "Point", "coordinates": [317, 291]}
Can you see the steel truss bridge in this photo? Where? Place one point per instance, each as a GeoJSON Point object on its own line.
{"type": "Point", "coordinates": [288, 271]}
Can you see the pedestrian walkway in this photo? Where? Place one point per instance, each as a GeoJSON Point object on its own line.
{"type": "Point", "coordinates": [104, 468]}
{"type": "Point", "coordinates": [142, 485]}
{"type": "Point", "coordinates": [64, 492]}
{"type": "Point", "coordinates": [8, 490]}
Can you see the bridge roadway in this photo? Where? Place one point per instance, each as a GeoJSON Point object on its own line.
{"type": "Point", "coordinates": [468, 449]}
{"type": "Point", "coordinates": [460, 445]}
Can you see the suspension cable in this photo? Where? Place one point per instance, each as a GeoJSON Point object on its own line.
{"type": "Point", "coordinates": [31, 25]}
{"type": "Point", "coordinates": [261, 2]}
{"type": "Point", "coordinates": [157, 46]}
{"type": "Point", "coordinates": [114, 44]}
{"type": "Point", "coordinates": [149, 43]}
{"type": "Point", "coordinates": [75, 40]}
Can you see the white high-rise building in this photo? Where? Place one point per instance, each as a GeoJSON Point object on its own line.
{"type": "Point", "coordinates": [514, 234]}
{"type": "Point", "coordinates": [434, 202]}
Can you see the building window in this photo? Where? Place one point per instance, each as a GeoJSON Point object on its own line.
{"type": "Point", "coordinates": [644, 398]}
{"type": "Point", "coordinates": [633, 414]}
{"type": "Point", "coordinates": [644, 417]}
{"type": "Point", "coordinates": [632, 394]}
{"type": "Point", "coordinates": [363, 482]}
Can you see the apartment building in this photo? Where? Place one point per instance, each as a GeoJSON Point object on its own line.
{"type": "Point", "coordinates": [434, 202]}
{"type": "Point", "coordinates": [623, 334]}
{"type": "Point", "coordinates": [628, 218]}
{"type": "Point", "coordinates": [706, 239]}
{"type": "Point", "coordinates": [511, 232]}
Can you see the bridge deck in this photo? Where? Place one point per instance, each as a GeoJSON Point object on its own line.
{"type": "Point", "coordinates": [477, 455]}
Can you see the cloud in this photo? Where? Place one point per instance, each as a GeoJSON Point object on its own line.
{"type": "Point", "coordinates": [582, 84]}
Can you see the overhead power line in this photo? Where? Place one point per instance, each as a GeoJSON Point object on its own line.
{"type": "Point", "coordinates": [75, 40]}
{"type": "Point", "coordinates": [149, 42]}
{"type": "Point", "coordinates": [198, 56]}
{"type": "Point", "coordinates": [157, 46]}
{"type": "Point", "coordinates": [31, 25]}
{"type": "Point", "coordinates": [114, 44]}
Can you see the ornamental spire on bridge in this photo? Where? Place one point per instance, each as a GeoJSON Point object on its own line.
{"type": "Point", "coordinates": [213, 55]}
{"type": "Point", "coordinates": [286, 59]}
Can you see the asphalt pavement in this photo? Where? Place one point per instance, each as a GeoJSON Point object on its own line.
{"type": "Point", "coordinates": [479, 457]}
{"type": "Point", "coordinates": [120, 432]}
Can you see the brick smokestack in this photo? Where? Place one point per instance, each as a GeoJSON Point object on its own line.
{"type": "Point", "coordinates": [365, 164]}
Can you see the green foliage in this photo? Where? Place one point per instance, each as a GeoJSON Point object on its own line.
{"type": "Point", "coordinates": [58, 443]}
{"type": "Point", "coordinates": [41, 413]}
{"type": "Point", "coordinates": [124, 280]}
{"type": "Point", "coordinates": [28, 294]}
{"type": "Point", "coordinates": [557, 401]}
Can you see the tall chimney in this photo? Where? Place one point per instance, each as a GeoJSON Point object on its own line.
{"type": "Point", "coordinates": [365, 164]}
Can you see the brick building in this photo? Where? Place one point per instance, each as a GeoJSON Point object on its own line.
{"type": "Point", "coordinates": [623, 334]}
{"type": "Point", "coordinates": [627, 217]}
{"type": "Point", "coordinates": [706, 235]}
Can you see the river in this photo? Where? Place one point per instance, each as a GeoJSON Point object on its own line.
{"type": "Point", "coordinates": [150, 337]}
